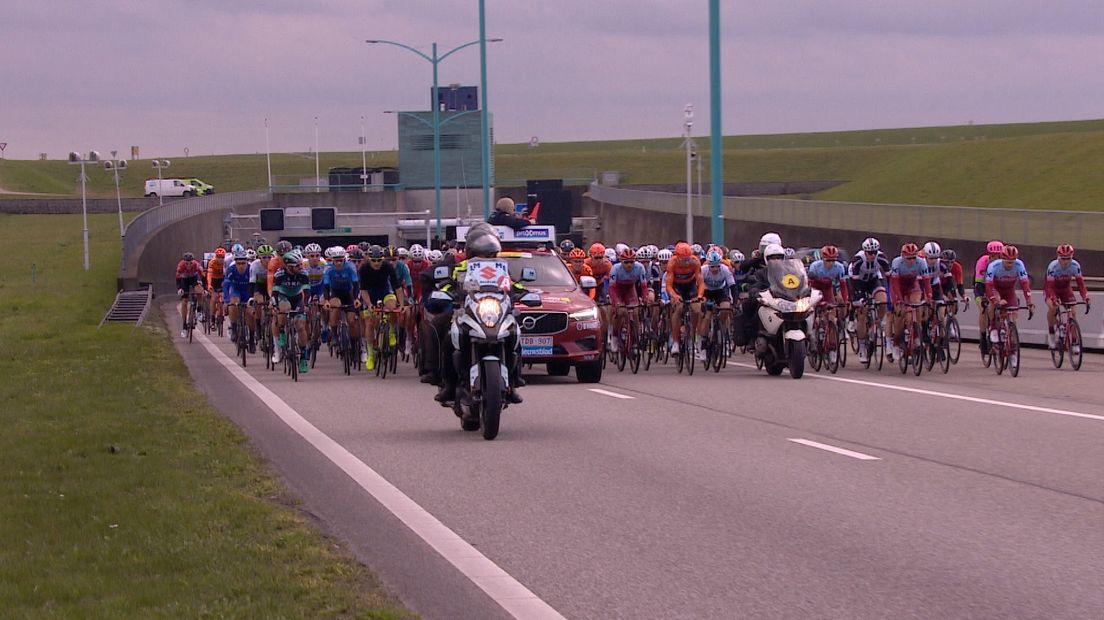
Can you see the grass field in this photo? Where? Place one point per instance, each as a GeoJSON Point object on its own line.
{"type": "Point", "coordinates": [1028, 165]}
{"type": "Point", "coordinates": [125, 494]}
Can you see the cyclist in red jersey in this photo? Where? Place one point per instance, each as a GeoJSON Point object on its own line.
{"type": "Point", "coordinates": [1062, 272]}
{"type": "Point", "coordinates": [189, 279]}
{"type": "Point", "coordinates": [685, 285]}
{"type": "Point", "coordinates": [909, 283]}
{"type": "Point", "coordinates": [600, 267]}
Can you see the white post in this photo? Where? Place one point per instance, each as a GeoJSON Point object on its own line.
{"type": "Point", "coordinates": [119, 200]}
{"type": "Point", "coordinates": [317, 178]}
{"type": "Point", "coordinates": [363, 159]}
{"type": "Point", "coordinates": [699, 158]}
{"type": "Point", "coordinates": [84, 212]}
{"type": "Point", "coordinates": [160, 190]}
{"type": "Point", "coordinates": [429, 241]}
{"type": "Point", "coordinates": [689, 116]}
{"type": "Point", "coordinates": [268, 155]}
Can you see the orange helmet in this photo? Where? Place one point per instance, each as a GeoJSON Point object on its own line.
{"type": "Point", "coordinates": [220, 251]}
{"type": "Point", "coordinates": [909, 249]}
{"type": "Point", "coordinates": [683, 250]}
{"type": "Point", "coordinates": [577, 254]}
{"type": "Point", "coordinates": [829, 252]}
{"type": "Point", "coordinates": [1010, 252]}
{"type": "Point", "coordinates": [598, 250]}
{"type": "Point", "coordinates": [1065, 251]}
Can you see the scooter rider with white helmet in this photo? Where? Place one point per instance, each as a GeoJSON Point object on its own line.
{"type": "Point", "coordinates": [747, 322]}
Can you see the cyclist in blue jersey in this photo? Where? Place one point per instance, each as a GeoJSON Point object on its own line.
{"type": "Point", "coordinates": [627, 285]}
{"type": "Point", "coordinates": [236, 282]}
{"type": "Point", "coordinates": [909, 283]}
{"type": "Point", "coordinates": [718, 291]}
{"type": "Point", "coordinates": [341, 289]}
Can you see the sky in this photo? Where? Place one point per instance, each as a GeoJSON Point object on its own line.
{"type": "Point", "coordinates": [204, 75]}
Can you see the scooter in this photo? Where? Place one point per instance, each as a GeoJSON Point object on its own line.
{"type": "Point", "coordinates": [785, 319]}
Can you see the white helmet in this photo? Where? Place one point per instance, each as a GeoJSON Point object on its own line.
{"type": "Point", "coordinates": [620, 247]}
{"type": "Point", "coordinates": [663, 255]}
{"type": "Point", "coordinates": [611, 255]}
{"type": "Point", "coordinates": [736, 256]}
{"type": "Point", "coordinates": [870, 244]}
{"type": "Point", "coordinates": [434, 255]}
{"type": "Point", "coordinates": [312, 248]}
{"type": "Point", "coordinates": [403, 252]}
{"type": "Point", "coordinates": [768, 239]}
{"type": "Point", "coordinates": [251, 254]}
{"type": "Point", "coordinates": [645, 253]}
{"type": "Point", "coordinates": [338, 252]}
{"type": "Point", "coordinates": [773, 249]}
{"type": "Point", "coordinates": [789, 252]}
{"type": "Point", "coordinates": [932, 249]}
{"type": "Point", "coordinates": [417, 253]}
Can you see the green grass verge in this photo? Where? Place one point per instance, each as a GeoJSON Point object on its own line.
{"type": "Point", "coordinates": [125, 494]}
{"type": "Point", "coordinates": [1025, 165]}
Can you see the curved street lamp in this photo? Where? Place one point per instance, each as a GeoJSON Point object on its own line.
{"type": "Point", "coordinates": [114, 166]}
{"type": "Point", "coordinates": [160, 164]}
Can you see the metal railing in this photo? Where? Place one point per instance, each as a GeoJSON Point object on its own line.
{"type": "Point", "coordinates": [1025, 226]}
{"type": "Point", "coordinates": [141, 227]}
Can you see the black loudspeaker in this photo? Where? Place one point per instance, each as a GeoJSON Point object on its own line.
{"type": "Point", "coordinates": [555, 209]}
{"type": "Point", "coordinates": [536, 186]}
{"type": "Point", "coordinates": [324, 218]}
{"type": "Point", "coordinates": [272, 219]}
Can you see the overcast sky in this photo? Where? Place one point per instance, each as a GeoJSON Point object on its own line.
{"type": "Point", "coordinates": [203, 74]}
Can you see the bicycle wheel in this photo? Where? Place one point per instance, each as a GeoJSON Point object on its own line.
{"type": "Point", "coordinates": [190, 324]}
{"type": "Point", "coordinates": [931, 349]}
{"type": "Point", "coordinates": [690, 351]}
{"type": "Point", "coordinates": [878, 345]}
{"type": "Point", "coordinates": [845, 338]}
{"type": "Point", "coordinates": [831, 347]}
{"type": "Point", "coordinates": [632, 348]}
{"type": "Point", "coordinates": [622, 356]}
{"type": "Point", "coordinates": [814, 351]}
{"type": "Point", "coordinates": [918, 349]}
{"type": "Point", "coordinates": [1013, 350]}
{"type": "Point", "coordinates": [953, 336]}
{"type": "Point", "coordinates": [943, 349]}
{"type": "Point", "coordinates": [906, 352]}
{"type": "Point", "coordinates": [999, 352]}
{"type": "Point", "coordinates": [1073, 338]}
{"type": "Point", "coordinates": [1058, 353]}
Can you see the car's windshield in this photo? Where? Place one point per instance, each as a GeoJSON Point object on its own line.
{"type": "Point", "coordinates": [550, 270]}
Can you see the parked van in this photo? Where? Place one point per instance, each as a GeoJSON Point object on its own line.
{"type": "Point", "coordinates": [202, 189]}
{"type": "Point", "coordinates": [168, 188]}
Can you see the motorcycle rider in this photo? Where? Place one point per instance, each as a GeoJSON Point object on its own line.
{"type": "Point", "coordinates": [747, 321]}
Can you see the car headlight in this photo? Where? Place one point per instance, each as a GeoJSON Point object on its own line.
{"type": "Point", "coordinates": [489, 311]}
{"type": "Point", "coordinates": [590, 314]}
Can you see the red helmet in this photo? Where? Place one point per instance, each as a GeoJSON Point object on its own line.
{"type": "Point", "coordinates": [576, 254]}
{"type": "Point", "coordinates": [351, 247]}
{"type": "Point", "coordinates": [683, 250]}
{"type": "Point", "coordinates": [597, 250]}
{"type": "Point", "coordinates": [909, 249]}
{"type": "Point", "coordinates": [829, 252]}
{"type": "Point", "coordinates": [1065, 251]}
{"type": "Point", "coordinates": [626, 254]}
{"type": "Point", "coordinates": [222, 251]}
{"type": "Point", "coordinates": [1010, 252]}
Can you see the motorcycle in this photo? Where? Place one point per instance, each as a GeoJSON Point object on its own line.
{"type": "Point", "coordinates": [785, 318]}
{"type": "Point", "coordinates": [486, 324]}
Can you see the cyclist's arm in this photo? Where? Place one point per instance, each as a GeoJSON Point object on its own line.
{"type": "Point", "coordinates": [1081, 286]}
{"type": "Point", "coordinates": [669, 282]}
{"type": "Point", "coordinates": [926, 286]}
{"type": "Point", "coordinates": [1048, 287]}
{"type": "Point", "coordinates": [701, 284]}
{"type": "Point", "coordinates": [1025, 285]}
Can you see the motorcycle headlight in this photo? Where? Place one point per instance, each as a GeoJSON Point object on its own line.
{"type": "Point", "coordinates": [489, 311]}
{"type": "Point", "coordinates": [590, 314]}
{"type": "Point", "coordinates": [802, 305]}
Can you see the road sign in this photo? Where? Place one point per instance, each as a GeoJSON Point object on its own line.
{"type": "Point", "coordinates": [3, 145]}
{"type": "Point", "coordinates": [334, 231]}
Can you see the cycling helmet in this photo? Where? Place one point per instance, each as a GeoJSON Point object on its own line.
{"type": "Point", "coordinates": [611, 254]}
{"type": "Point", "coordinates": [236, 247]}
{"type": "Point", "coordinates": [909, 249]}
{"type": "Point", "coordinates": [251, 254]}
{"type": "Point", "coordinates": [239, 255]}
{"type": "Point", "coordinates": [576, 254]}
{"type": "Point", "coordinates": [189, 256]}
{"type": "Point", "coordinates": [646, 253]}
{"type": "Point", "coordinates": [773, 250]}
{"type": "Point", "coordinates": [1065, 251]}
{"type": "Point", "coordinates": [566, 246]}
{"type": "Point", "coordinates": [683, 250]}
{"type": "Point", "coordinates": [220, 252]}
{"type": "Point", "coordinates": [663, 255]}
{"type": "Point", "coordinates": [338, 252]}
{"type": "Point", "coordinates": [353, 246]}
{"type": "Point", "coordinates": [293, 258]}
{"type": "Point", "coordinates": [932, 249]}
{"type": "Point", "coordinates": [713, 258]}
{"type": "Point", "coordinates": [994, 247]}
{"type": "Point", "coordinates": [313, 248]}
{"type": "Point", "coordinates": [736, 256]}
{"type": "Point", "coordinates": [697, 249]}
{"type": "Point", "coordinates": [829, 252]}
{"type": "Point", "coordinates": [363, 245]}
{"type": "Point", "coordinates": [1010, 252]}
{"type": "Point", "coordinates": [417, 253]}
{"type": "Point", "coordinates": [403, 252]}
{"type": "Point", "coordinates": [789, 252]}
{"type": "Point", "coordinates": [283, 247]}
{"type": "Point", "coordinates": [870, 244]}
{"type": "Point", "coordinates": [434, 255]}
{"type": "Point", "coordinates": [626, 253]}
{"type": "Point", "coordinates": [375, 252]}
{"type": "Point", "coordinates": [356, 254]}
{"type": "Point", "coordinates": [768, 239]}
{"type": "Point", "coordinates": [597, 250]}
{"type": "Point", "coordinates": [619, 247]}
{"type": "Point", "coordinates": [949, 255]}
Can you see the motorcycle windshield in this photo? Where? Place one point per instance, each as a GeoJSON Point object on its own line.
{"type": "Point", "coordinates": [787, 279]}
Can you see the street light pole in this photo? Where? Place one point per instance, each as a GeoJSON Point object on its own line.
{"type": "Point", "coordinates": [484, 115]}
{"type": "Point", "coordinates": [77, 160]}
{"type": "Point", "coordinates": [159, 164]}
{"type": "Point", "coordinates": [363, 157]}
{"type": "Point", "coordinates": [716, 148]}
{"type": "Point", "coordinates": [317, 177]}
{"type": "Point", "coordinates": [688, 121]}
{"type": "Point", "coordinates": [114, 166]}
{"type": "Point", "coordinates": [268, 155]}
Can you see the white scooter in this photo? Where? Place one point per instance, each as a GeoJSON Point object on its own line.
{"type": "Point", "coordinates": [785, 318]}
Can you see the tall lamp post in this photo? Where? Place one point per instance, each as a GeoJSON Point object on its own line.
{"type": "Point", "coordinates": [435, 59]}
{"type": "Point", "coordinates": [76, 159]}
{"type": "Point", "coordinates": [688, 123]}
{"type": "Point", "coordinates": [317, 177]}
{"type": "Point", "coordinates": [114, 165]}
{"type": "Point", "coordinates": [160, 164]}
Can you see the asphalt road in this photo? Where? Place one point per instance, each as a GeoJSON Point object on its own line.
{"type": "Point", "coordinates": [686, 497]}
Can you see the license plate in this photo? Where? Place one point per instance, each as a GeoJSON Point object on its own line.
{"type": "Point", "coordinates": [536, 346]}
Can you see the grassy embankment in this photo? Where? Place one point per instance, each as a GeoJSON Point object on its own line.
{"type": "Point", "coordinates": [125, 494]}
{"type": "Point", "coordinates": [1026, 165]}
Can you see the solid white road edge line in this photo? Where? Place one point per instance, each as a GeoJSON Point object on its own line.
{"type": "Point", "coordinates": [503, 589]}
{"type": "Point", "coordinates": [611, 394]}
{"type": "Point", "coordinates": [972, 399]}
{"type": "Point", "coordinates": [824, 446]}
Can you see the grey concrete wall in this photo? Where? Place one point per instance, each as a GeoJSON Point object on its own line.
{"type": "Point", "coordinates": [73, 205]}
{"type": "Point", "coordinates": [156, 264]}
{"type": "Point", "coordinates": [762, 188]}
{"type": "Point", "coordinates": [386, 200]}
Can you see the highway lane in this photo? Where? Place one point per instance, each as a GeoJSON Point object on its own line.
{"type": "Point", "coordinates": [689, 499]}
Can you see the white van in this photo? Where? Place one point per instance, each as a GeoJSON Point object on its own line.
{"type": "Point", "coordinates": [168, 188]}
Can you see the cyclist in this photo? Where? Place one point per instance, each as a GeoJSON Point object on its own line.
{"type": "Point", "coordinates": [867, 274]}
{"type": "Point", "coordinates": [407, 283]}
{"type": "Point", "coordinates": [1001, 277]}
{"type": "Point", "coordinates": [576, 264]}
{"type": "Point", "coordinates": [235, 289]}
{"type": "Point", "coordinates": [215, 269]}
{"type": "Point", "coordinates": [341, 289]}
{"type": "Point", "coordinates": [908, 284]}
{"type": "Point", "coordinates": [717, 282]}
{"type": "Point", "coordinates": [628, 282]}
{"type": "Point", "coordinates": [258, 274]}
{"type": "Point", "coordinates": [829, 276]}
{"type": "Point", "coordinates": [1060, 275]}
{"type": "Point", "coordinates": [290, 290]}
{"type": "Point", "coordinates": [600, 267]}
{"type": "Point", "coordinates": [566, 246]}
{"type": "Point", "coordinates": [953, 280]}
{"type": "Point", "coordinates": [189, 274]}
{"type": "Point", "coordinates": [740, 273]}
{"type": "Point", "coordinates": [684, 286]}
{"type": "Point", "coordinates": [282, 248]}
{"type": "Point", "coordinates": [937, 273]}
{"type": "Point", "coordinates": [992, 253]}
{"type": "Point", "coordinates": [315, 268]}
{"type": "Point", "coordinates": [379, 284]}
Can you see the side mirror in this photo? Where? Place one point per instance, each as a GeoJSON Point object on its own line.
{"type": "Point", "coordinates": [588, 282]}
{"type": "Point", "coordinates": [441, 273]}
{"type": "Point", "coordinates": [528, 274]}
{"type": "Point", "coordinates": [531, 300]}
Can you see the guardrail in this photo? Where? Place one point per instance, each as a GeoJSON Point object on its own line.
{"type": "Point", "coordinates": [1028, 227]}
{"type": "Point", "coordinates": [141, 227]}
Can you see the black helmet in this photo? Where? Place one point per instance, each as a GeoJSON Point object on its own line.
{"type": "Point", "coordinates": [482, 241]}
{"type": "Point", "coordinates": [364, 245]}
{"type": "Point", "coordinates": [566, 246]}
{"type": "Point", "coordinates": [283, 247]}
{"type": "Point", "coordinates": [356, 254]}
{"type": "Point", "coordinates": [949, 255]}
{"type": "Point", "coordinates": [375, 251]}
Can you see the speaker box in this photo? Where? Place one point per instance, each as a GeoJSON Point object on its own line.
{"type": "Point", "coordinates": [272, 219]}
{"type": "Point", "coordinates": [555, 209]}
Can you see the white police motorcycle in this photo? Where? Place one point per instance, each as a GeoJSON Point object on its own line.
{"type": "Point", "coordinates": [785, 318]}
